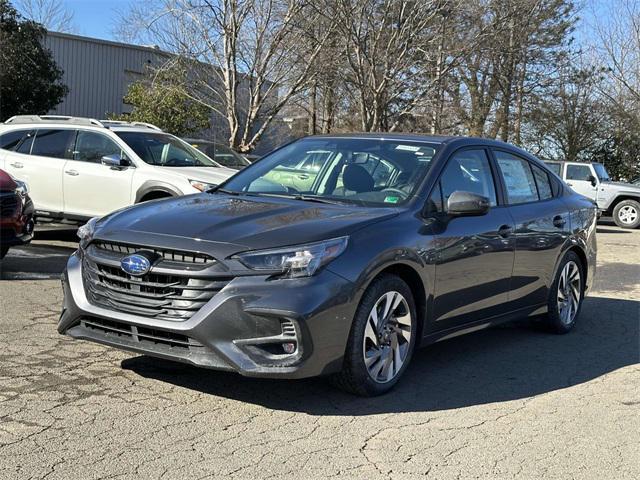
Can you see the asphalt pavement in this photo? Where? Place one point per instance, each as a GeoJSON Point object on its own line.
{"type": "Point", "coordinates": [509, 402]}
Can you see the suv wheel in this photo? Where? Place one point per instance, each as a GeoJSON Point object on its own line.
{"type": "Point", "coordinates": [382, 338]}
{"type": "Point", "coordinates": [626, 214]}
{"type": "Point", "coordinates": [566, 294]}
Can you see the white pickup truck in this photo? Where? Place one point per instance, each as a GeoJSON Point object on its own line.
{"type": "Point", "coordinates": [616, 199]}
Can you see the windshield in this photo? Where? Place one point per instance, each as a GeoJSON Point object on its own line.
{"type": "Point", "coordinates": [164, 150]}
{"type": "Point", "coordinates": [224, 155]}
{"type": "Point", "coordinates": [602, 173]}
{"type": "Point", "coordinates": [362, 171]}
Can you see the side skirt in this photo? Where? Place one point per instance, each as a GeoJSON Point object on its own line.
{"type": "Point", "coordinates": [520, 314]}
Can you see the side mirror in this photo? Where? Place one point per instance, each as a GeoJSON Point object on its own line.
{"type": "Point", "coordinates": [593, 180]}
{"type": "Point", "coordinates": [115, 162]}
{"type": "Point", "coordinates": [462, 204]}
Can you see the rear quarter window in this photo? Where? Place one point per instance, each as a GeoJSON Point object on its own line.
{"type": "Point", "coordinates": [554, 167]}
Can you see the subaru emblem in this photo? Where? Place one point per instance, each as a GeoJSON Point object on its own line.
{"type": "Point", "coordinates": [135, 264]}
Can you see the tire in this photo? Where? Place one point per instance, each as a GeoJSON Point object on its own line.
{"type": "Point", "coordinates": [3, 252]}
{"type": "Point", "coordinates": [626, 214]}
{"type": "Point", "coordinates": [565, 300]}
{"type": "Point", "coordinates": [389, 347]}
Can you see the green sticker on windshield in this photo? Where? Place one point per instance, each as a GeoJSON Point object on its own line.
{"type": "Point", "coordinates": [391, 199]}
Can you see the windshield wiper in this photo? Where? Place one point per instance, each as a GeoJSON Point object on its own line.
{"type": "Point", "coordinates": [223, 190]}
{"type": "Point", "coordinates": [308, 198]}
{"type": "Point", "coordinates": [299, 196]}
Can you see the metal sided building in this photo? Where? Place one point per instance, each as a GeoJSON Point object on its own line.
{"type": "Point", "coordinates": [98, 72]}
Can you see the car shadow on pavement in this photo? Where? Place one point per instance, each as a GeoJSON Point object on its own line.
{"type": "Point", "coordinates": [39, 260]}
{"type": "Point", "coordinates": [511, 362]}
{"type": "Point", "coordinates": [35, 262]}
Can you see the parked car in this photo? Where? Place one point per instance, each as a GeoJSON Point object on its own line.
{"type": "Point", "coordinates": [219, 153]}
{"type": "Point", "coordinates": [79, 167]}
{"type": "Point", "coordinates": [16, 213]}
{"type": "Point", "coordinates": [614, 199]}
{"type": "Point", "coordinates": [345, 277]}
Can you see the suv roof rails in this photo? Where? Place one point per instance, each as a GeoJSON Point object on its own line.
{"type": "Point", "coordinates": [22, 119]}
{"type": "Point", "coordinates": [108, 123]}
{"type": "Point", "coordinates": [18, 119]}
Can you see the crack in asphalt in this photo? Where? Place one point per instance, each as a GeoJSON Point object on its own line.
{"type": "Point", "coordinates": [511, 402]}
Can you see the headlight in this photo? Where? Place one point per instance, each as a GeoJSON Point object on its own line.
{"type": "Point", "coordinates": [202, 186]}
{"type": "Point", "coordinates": [85, 232]}
{"type": "Point", "coordinates": [296, 261]}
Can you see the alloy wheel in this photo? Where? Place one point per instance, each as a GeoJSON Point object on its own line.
{"type": "Point", "coordinates": [569, 292]}
{"type": "Point", "coordinates": [387, 337]}
{"type": "Point", "coordinates": [628, 214]}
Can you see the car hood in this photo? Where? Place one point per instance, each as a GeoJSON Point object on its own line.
{"type": "Point", "coordinates": [229, 224]}
{"type": "Point", "coordinates": [206, 174]}
{"type": "Point", "coordinates": [623, 186]}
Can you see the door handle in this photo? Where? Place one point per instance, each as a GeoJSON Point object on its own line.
{"type": "Point", "coordinates": [303, 176]}
{"type": "Point", "coordinates": [73, 173]}
{"type": "Point", "coordinates": [570, 184]}
{"type": "Point", "coordinates": [558, 221]}
{"type": "Point", "coordinates": [505, 230]}
{"type": "Point", "coordinates": [17, 164]}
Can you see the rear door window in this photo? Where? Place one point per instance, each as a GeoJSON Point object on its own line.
{"type": "Point", "coordinates": [25, 144]}
{"type": "Point", "coordinates": [518, 178]}
{"type": "Point", "coordinates": [10, 140]}
{"type": "Point", "coordinates": [52, 143]}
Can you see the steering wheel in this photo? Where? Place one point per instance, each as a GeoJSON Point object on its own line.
{"type": "Point", "coordinates": [402, 193]}
{"type": "Point", "coordinates": [174, 161]}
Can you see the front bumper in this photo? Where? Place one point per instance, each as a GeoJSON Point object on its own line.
{"type": "Point", "coordinates": [17, 228]}
{"type": "Point", "coordinates": [235, 330]}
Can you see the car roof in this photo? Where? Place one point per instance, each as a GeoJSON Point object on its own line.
{"type": "Point", "coordinates": [416, 137]}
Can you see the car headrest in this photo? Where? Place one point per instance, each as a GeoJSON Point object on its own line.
{"type": "Point", "coordinates": [357, 179]}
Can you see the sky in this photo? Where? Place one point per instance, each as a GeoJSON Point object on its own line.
{"type": "Point", "coordinates": [97, 18]}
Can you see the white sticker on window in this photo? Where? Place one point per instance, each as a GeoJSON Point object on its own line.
{"type": "Point", "coordinates": [408, 148]}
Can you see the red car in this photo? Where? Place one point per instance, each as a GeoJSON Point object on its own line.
{"type": "Point", "coordinates": [16, 213]}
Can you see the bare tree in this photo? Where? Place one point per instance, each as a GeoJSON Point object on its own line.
{"type": "Point", "coordinates": [52, 14]}
{"type": "Point", "coordinates": [523, 42]}
{"type": "Point", "coordinates": [619, 49]}
{"type": "Point", "coordinates": [392, 56]}
{"type": "Point", "coordinates": [249, 58]}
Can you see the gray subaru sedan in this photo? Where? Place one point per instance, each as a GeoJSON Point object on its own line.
{"type": "Point", "coordinates": [338, 256]}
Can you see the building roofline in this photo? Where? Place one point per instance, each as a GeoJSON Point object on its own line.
{"type": "Point", "coordinates": [100, 41]}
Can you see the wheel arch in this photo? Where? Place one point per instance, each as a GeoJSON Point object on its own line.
{"type": "Point", "coordinates": [621, 198]}
{"type": "Point", "coordinates": [151, 187]}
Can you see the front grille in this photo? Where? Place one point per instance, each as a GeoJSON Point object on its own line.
{"type": "Point", "coordinates": [168, 297]}
{"type": "Point", "coordinates": [140, 334]}
{"type": "Point", "coordinates": [8, 204]}
{"type": "Point", "coordinates": [166, 254]}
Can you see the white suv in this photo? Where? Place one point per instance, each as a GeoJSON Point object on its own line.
{"type": "Point", "coordinates": [78, 168]}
